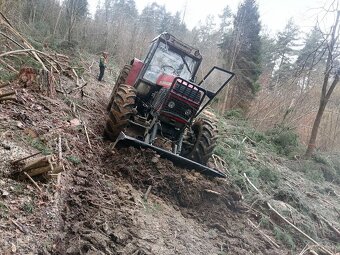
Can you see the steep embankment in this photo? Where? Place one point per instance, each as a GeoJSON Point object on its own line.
{"type": "Point", "coordinates": [97, 206]}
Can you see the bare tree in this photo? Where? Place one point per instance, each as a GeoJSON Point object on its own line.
{"type": "Point", "coordinates": [75, 9]}
{"type": "Point", "coordinates": [332, 71]}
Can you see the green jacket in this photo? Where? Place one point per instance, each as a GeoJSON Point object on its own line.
{"type": "Point", "coordinates": [102, 62]}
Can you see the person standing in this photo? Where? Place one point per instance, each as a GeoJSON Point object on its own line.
{"type": "Point", "coordinates": [102, 65]}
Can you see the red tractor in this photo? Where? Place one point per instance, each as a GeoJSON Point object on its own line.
{"type": "Point", "coordinates": [157, 103]}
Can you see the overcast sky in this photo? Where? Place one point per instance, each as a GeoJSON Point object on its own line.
{"type": "Point", "coordinates": [274, 14]}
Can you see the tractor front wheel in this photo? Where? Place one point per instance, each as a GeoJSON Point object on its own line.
{"type": "Point", "coordinates": [122, 110]}
{"type": "Point", "coordinates": [198, 145]}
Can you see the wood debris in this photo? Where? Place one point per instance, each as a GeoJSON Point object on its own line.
{"type": "Point", "coordinates": [46, 166]}
{"type": "Point", "coordinates": [47, 79]}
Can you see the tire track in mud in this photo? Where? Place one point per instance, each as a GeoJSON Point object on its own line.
{"type": "Point", "coordinates": [103, 211]}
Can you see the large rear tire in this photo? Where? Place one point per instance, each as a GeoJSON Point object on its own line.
{"type": "Point", "coordinates": [199, 144]}
{"type": "Point", "coordinates": [120, 80]}
{"type": "Point", "coordinates": [122, 110]}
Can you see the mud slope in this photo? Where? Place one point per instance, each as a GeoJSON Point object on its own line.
{"type": "Point", "coordinates": [104, 212]}
{"type": "Point", "coordinates": [97, 205]}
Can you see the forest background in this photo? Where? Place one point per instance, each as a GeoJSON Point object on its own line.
{"type": "Point", "coordinates": [286, 80]}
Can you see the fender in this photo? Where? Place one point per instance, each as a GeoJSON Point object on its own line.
{"type": "Point", "coordinates": [136, 67]}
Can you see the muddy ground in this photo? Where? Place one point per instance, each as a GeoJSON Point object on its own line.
{"type": "Point", "coordinates": [97, 206]}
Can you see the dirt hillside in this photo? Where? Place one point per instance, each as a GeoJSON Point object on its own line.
{"type": "Point", "coordinates": [97, 205]}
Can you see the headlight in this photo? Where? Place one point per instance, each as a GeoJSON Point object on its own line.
{"type": "Point", "coordinates": [188, 112]}
{"type": "Point", "coordinates": [171, 104]}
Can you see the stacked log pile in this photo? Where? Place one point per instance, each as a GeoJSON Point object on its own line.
{"type": "Point", "coordinates": [46, 166]}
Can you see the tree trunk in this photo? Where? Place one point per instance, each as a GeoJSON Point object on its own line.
{"type": "Point", "coordinates": [323, 102]}
{"type": "Point", "coordinates": [316, 125]}
{"type": "Point", "coordinates": [325, 94]}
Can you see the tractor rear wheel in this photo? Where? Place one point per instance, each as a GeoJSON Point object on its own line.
{"type": "Point", "coordinates": [199, 144]}
{"type": "Point", "coordinates": [122, 109]}
{"type": "Point", "coordinates": [120, 80]}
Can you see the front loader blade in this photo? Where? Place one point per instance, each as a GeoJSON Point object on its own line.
{"type": "Point", "coordinates": [125, 141]}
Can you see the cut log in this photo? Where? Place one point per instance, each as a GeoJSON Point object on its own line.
{"type": "Point", "coordinates": [7, 94]}
{"type": "Point", "coordinates": [4, 85]}
{"type": "Point", "coordinates": [38, 171]}
{"type": "Point", "coordinates": [37, 163]}
{"type": "Point", "coordinates": [58, 169]}
{"type": "Point", "coordinates": [8, 98]}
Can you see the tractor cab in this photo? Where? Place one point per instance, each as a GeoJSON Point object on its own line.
{"type": "Point", "coordinates": [169, 57]}
{"type": "Point", "coordinates": [166, 59]}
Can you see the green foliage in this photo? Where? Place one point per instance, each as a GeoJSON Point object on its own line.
{"type": "Point", "coordinates": [18, 188]}
{"type": "Point", "coordinates": [321, 159]}
{"type": "Point", "coordinates": [152, 207]}
{"type": "Point", "coordinates": [6, 76]}
{"type": "Point", "coordinates": [245, 37]}
{"type": "Point", "coordinates": [285, 140]}
{"type": "Point", "coordinates": [3, 210]}
{"type": "Point", "coordinates": [265, 222]}
{"type": "Point", "coordinates": [38, 144]}
{"type": "Point", "coordinates": [73, 159]}
{"type": "Point", "coordinates": [28, 206]}
{"type": "Point", "coordinates": [311, 170]}
{"type": "Point", "coordinates": [234, 114]}
{"type": "Point", "coordinates": [284, 237]}
{"type": "Point", "coordinates": [269, 175]}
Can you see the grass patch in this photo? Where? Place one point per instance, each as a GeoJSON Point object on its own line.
{"type": "Point", "coordinates": [18, 188]}
{"type": "Point", "coordinates": [284, 139]}
{"type": "Point", "coordinates": [3, 210]}
{"type": "Point", "coordinates": [152, 207]}
{"type": "Point", "coordinates": [73, 159]}
{"type": "Point", "coordinates": [284, 237]}
{"type": "Point", "coordinates": [28, 207]}
{"type": "Point", "coordinates": [269, 175]}
{"type": "Point", "coordinates": [234, 114]}
{"type": "Point", "coordinates": [40, 146]}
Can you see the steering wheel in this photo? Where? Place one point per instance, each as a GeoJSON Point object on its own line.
{"type": "Point", "coordinates": [170, 69]}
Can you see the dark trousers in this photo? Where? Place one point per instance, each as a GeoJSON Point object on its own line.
{"type": "Point", "coordinates": [101, 73]}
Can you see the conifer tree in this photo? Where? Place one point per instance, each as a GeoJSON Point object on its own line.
{"type": "Point", "coordinates": [242, 53]}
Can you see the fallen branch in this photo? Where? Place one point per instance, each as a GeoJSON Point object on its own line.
{"type": "Point", "coordinates": [299, 230]}
{"type": "Point", "coordinates": [77, 88]}
{"type": "Point", "coordinates": [11, 68]}
{"type": "Point", "coordinates": [87, 135]}
{"type": "Point", "coordinates": [287, 221]}
{"type": "Point", "coordinates": [263, 234]}
{"type": "Point", "coordinates": [8, 98]}
{"type": "Point", "coordinates": [21, 159]}
{"type": "Point", "coordinates": [12, 40]}
{"type": "Point", "coordinates": [4, 85]}
{"type": "Point", "coordinates": [19, 226]}
{"type": "Point", "coordinates": [254, 187]}
{"type": "Point", "coordinates": [7, 94]}
{"type": "Point", "coordinates": [77, 77]}
{"type": "Point", "coordinates": [331, 226]}
{"type": "Point", "coordinates": [145, 196]}
{"type": "Point", "coordinates": [209, 191]}
{"type": "Point", "coordinates": [25, 42]}
{"type": "Point", "coordinates": [38, 171]}
{"type": "Point", "coordinates": [33, 182]}
{"type": "Point", "coordinates": [60, 152]}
